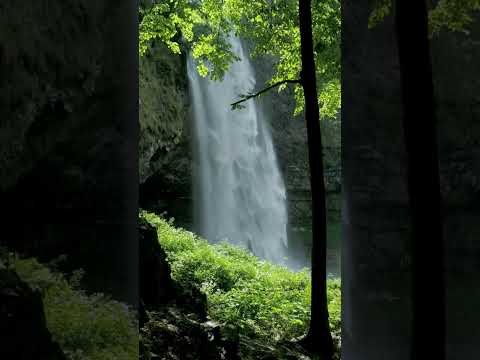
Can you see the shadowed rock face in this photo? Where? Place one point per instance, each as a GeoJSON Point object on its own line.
{"type": "Point", "coordinates": [156, 285]}
{"type": "Point", "coordinates": [23, 328]}
{"type": "Point", "coordinates": [376, 225]}
{"type": "Point", "coordinates": [164, 118]}
{"type": "Point", "coordinates": [176, 325]}
{"type": "Point", "coordinates": [157, 288]}
{"type": "Point", "coordinates": [68, 136]}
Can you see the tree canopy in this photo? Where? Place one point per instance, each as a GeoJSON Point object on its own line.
{"type": "Point", "coordinates": [270, 27]}
{"type": "Point", "coordinates": [450, 15]}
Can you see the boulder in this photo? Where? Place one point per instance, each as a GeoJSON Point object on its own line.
{"type": "Point", "coordinates": [157, 288]}
{"type": "Point", "coordinates": [23, 330]}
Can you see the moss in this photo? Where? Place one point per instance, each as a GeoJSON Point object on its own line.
{"type": "Point", "coordinates": [163, 104]}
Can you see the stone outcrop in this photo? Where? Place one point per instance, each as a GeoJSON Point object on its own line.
{"type": "Point", "coordinates": [23, 328]}
{"type": "Point", "coordinates": [175, 324]}
{"type": "Point", "coordinates": [156, 284]}
{"type": "Point", "coordinates": [157, 289]}
{"type": "Point", "coordinates": [172, 333]}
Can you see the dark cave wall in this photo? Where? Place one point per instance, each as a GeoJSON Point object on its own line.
{"type": "Point", "coordinates": [376, 221]}
{"type": "Point", "coordinates": [68, 143]}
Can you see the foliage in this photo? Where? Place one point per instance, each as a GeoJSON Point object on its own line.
{"type": "Point", "coordinates": [269, 26]}
{"type": "Point", "coordinates": [151, 29]}
{"type": "Point", "coordinates": [380, 11]}
{"type": "Point", "coordinates": [170, 19]}
{"type": "Point", "coordinates": [452, 15]}
{"type": "Point", "coordinates": [258, 297]}
{"type": "Point", "coordinates": [87, 327]}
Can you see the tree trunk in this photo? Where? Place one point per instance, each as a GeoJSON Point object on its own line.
{"type": "Point", "coordinates": [319, 339]}
{"type": "Point", "coordinates": [428, 284]}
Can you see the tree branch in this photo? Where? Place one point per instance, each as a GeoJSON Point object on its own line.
{"type": "Point", "coordinates": [248, 97]}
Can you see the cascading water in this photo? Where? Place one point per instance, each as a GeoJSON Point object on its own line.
{"type": "Point", "coordinates": [239, 191]}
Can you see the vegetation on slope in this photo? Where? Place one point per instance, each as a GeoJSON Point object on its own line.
{"type": "Point", "coordinates": [261, 299]}
{"type": "Point", "coordinates": [87, 327]}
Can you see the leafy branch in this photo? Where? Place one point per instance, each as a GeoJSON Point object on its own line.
{"type": "Point", "coordinates": [237, 104]}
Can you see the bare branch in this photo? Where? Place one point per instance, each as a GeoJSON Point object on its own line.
{"type": "Point", "coordinates": [236, 105]}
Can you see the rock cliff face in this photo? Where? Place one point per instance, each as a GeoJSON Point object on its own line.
{"type": "Point", "coordinates": [165, 156]}
{"type": "Point", "coordinates": [376, 222]}
{"type": "Point", "coordinates": [165, 139]}
{"type": "Point", "coordinates": [68, 136]}
{"type": "Point", "coordinates": [164, 119]}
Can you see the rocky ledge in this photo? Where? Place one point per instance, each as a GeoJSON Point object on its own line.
{"type": "Point", "coordinates": [23, 328]}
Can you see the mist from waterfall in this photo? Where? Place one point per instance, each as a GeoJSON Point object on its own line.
{"type": "Point", "coordinates": [238, 189]}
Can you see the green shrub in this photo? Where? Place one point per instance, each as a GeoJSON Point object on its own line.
{"type": "Point", "coordinates": [260, 298]}
{"type": "Point", "coordinates": [87, 327]}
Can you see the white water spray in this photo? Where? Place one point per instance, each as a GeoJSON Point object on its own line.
{"type": "Point", "coordinates": [239, 191]}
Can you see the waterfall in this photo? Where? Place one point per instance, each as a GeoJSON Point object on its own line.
{"type": "Point", "coordinates": [239, 191]}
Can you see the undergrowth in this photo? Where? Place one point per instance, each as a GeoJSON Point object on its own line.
{"type": "Point", "coordinates": [87, 327]}
{"type": "Point", "coordinates": [259, 298]}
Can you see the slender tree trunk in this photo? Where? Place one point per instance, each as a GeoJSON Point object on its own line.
{"type": "Point", "coordinates": [428, 284]}
{"type": "Point", "coordinates": [319, 339]}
